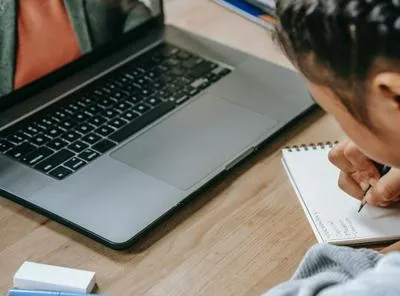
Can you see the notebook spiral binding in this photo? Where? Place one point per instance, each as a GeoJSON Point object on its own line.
{"type": "Point", "coordinates": [311, 146]}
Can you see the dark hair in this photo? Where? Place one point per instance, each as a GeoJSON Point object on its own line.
{"type": "Point", "coordinates": [344, 38]}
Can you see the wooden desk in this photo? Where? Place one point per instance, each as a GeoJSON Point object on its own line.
{"type": "Point", "coordinates": [242, 235]}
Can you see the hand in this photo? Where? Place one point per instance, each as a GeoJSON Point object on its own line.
{"type": "Point", "coordinates": [358, 172]}
{"type": "Point", "coordinates": [395, 247]}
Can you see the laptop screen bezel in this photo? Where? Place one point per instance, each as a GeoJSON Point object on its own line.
{"type": "Point", "coordinates": [41, 84]}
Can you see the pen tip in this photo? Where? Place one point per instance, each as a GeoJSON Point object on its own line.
{"type": "Point", "coordinates": [361, 206]}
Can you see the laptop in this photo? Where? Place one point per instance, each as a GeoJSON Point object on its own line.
{"type": "Point", "coordinates": [135, 117]}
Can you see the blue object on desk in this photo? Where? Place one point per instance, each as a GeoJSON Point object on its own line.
{"type": "Point", "coordinates": [18, 292]}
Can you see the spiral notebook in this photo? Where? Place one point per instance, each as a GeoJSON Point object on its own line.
{"type": "Point", "coordinates": [331, 212]}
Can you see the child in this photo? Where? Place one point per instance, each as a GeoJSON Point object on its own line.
{"type": "Point", "coordinates": [349, 53]}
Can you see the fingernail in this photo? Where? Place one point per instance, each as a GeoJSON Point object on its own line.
{"type": "Point", "coordinates": [364, 185]}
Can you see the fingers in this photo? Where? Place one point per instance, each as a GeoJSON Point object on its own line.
{"type": "Point", "coordinates": [349, 159]}
{"type": "Point", "coordinates": [336, 156]}
{"type": "Point", "coordinates": [361, 163]}
{"type": "Point", "coordinates": [386, 191]}
{"type": "Point", "coordinates": [350, 186]}
{"type": "Point", "coordinates": [392, 248]}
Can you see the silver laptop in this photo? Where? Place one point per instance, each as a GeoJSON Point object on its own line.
{"type": "Point", "coordinates": [141, 118]}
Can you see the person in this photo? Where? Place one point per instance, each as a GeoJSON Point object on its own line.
{"type": "Point", "coordinates": [39, 36]}
{"type": "Point", "coordinates": [348, 52]}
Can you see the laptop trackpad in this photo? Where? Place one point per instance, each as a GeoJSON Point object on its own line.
{"type": "Point", "coordinates": [195, 141]}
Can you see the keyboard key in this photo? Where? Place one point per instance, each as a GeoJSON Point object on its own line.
{"type": "Point", "coordinates": [80, 117]}
{"type": "Point", "coordinates": [54, 160]}
{"type": "Point", "coordinates": [212, 77]}
{"type": "Point", "coordinates": [146, 92]}
{"type": "Point", "coordinates": [97, 121]}
{"type": "Point", "coordinates": [67, 124]}
{"type": "Point", "coordinates": [153, 101]}
{"type": "Point", "coordinates": [71, 136]}
{"type": "Point", "coordinates": [37, 155]}
{"type": "Point", "coordinates": [162, 68]}
{"type": "Point", "coordinates": [5, 145]}
{"type": "Point", "coordinates": [172, 88]}
{"type": "Point", "coordinates": [141, 122]}
{"type": "Point", "coordinates": [129, 115]}
{"type": "Point", "coordinates": [105, 103]}
{"type": "Point", "coordinates": [141, 108]}
{"type": "Point", "coordinates": [183, 55]}
{"type": "Point", "coordinates": [88, 155]}
{"type": "Point", "coordinates": [179, 97]}
{"type": "Point", "coordinates": [171, 62]}
{"type": "Point", "coordinates": [103, 146]}
{"type": "Point", "coordinates": [117, 123]}
{"type": "Point", "coordinates": [118, 95]}
{"type": "Point", "coordinates": [93, 110]}
{"type": "Point", "coordinates": [190, 63]}
{"type": "Point", "coordinates": [91, 139]}
{"type": "Point", "coordinates": [21, 150]}
{"type": "Point", "coordinates": [40, 140]}
{"type": "Point", "coordinates": [46, 122]}
{"type": "Point", "coordinates": [57, 144]}
{"type": "Point", "coordinates": [177, 71]}
{"type": "Point", "coordinates": [75, 163]}
{"type": "Point", "coordinates": [135, 99]}
{"type": "Point", "coordinates": [60, 172]}
{"type": "Point", "coordinates": [201, 69]}
{"type": "Point", "coordinates": [104, 130]}
{"type": "Point", "coordinates": [16, 138]}
{"type": "Point", "coordinates": [87, 100]}
{"type": "Point", "coordinates": [84, 128]}
{"type": "Point", "coordinates": [23, 135]}
{"type": "Point", "coordinates": [182, 99]}
{"type": "Point", "coordinates": [99, 93]}
{"type": "Point", "coordinates": [110, 113]}
{"type": "Point", "coordinates": [151, 74]}
{"type": "Point", "coordinates": [72, 108]}
{"type": "Point", "coordinates": [123, 106]}
{"type": "Point", "coordinates": [78, 146]}
{"type": "Point", "coordinates": [53, 133]}
{"type": "Point", "coordinates": [183, 81]}
{"type": "Point", "coordinates": [60, 116]}
{"type": "Point", "coordinates": [31, 130]}
{"type": "Point", "coordinates": [198, 83]}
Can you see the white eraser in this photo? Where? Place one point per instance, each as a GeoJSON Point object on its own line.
{"type": "Point", "coordinates": [35, 276]}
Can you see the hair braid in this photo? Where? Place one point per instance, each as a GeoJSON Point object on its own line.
{"type": "Point", "coordinates": [345, 37]}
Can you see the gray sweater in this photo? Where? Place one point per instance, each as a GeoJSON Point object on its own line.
{"type": "Point", "coordinates": [328, 270]}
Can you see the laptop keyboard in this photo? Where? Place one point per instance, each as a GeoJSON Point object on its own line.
{"type": "Point", "coordinates": [61, 139]}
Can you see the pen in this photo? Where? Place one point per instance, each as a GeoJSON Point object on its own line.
{"type": "Point", "coordinates": [383, 170]}
{"type": "Point", "coordinates": [20, 292]}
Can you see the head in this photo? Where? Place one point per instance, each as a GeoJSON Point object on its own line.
{"type": "Point", "coordinates": [349, 54]}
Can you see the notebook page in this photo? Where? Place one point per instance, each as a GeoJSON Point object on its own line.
{"type": "Point", "coordinates": [332, 213]}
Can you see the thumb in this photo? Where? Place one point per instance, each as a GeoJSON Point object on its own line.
{"type": "Point", "coordinates": [386, 190]}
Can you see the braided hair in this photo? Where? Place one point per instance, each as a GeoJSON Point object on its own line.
{"type": "Point", "coordinates": [344, 37]}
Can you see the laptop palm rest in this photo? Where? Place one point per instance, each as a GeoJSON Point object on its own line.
{"type": "Point", "coordinates": [194, 142]}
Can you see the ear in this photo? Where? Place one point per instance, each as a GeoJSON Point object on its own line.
{"type": "Point", "coordinates": [387, 85]}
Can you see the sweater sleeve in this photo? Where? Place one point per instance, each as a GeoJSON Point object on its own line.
{"type": "Point", "coordinates": [328, 270]}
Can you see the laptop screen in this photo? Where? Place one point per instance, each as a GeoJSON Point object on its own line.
{"type": "Point", "coordinates": [42, 36]}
